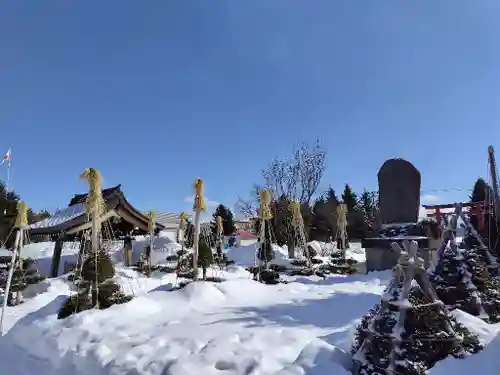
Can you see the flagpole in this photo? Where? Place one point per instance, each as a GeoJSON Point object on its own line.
{"type": "Point", "coordinates": [8, 158]}
{"type": "Point", "coordinates": [8, 177]}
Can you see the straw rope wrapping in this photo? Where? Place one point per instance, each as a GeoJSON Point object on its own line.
{"type": "Point", "coordinates": [94, 207]}
{"type": "Point", "coordinates": [152, 222]}
{"type": "Point", "coordinates": [183, 222]}
{"type": "Point", "coordinates": [22, 215]}
{"type": "Point", "coordinates": [265, 202]}
{"type": "Point", "coordinates": [220, 229]}
{"type": "Point", "coordinates": [94, 203]}
{"type": "Point", "coordinates": [199, 195]}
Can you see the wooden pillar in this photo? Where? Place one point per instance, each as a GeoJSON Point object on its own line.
{"type": "Point", "coordinates": [127, 248]}
{"type": "Point", "coordinates": [480, 212]}
{"type": "Point", "coordinates": [438, 216]}
{"type": "Point", "coordinates": [56, 257]}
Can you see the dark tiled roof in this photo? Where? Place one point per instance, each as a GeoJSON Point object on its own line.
{"type": "Point", "coordinates": [106, 194]}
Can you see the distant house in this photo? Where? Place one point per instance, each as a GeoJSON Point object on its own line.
{"type": "Point", "coordinates": [170, 222]}
{"type": "Point", "coordinates": [244, 224]}
{"type": "Point", "coordinates": [244, 238]}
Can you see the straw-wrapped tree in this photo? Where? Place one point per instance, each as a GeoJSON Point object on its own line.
{"type": "Point", "coordinates": [410, 329]}
{"type": "Point", "coordinates": [96, 287]}
{"type": "Point", "coordinates": [462, 276]}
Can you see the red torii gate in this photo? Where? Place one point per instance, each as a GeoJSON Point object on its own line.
{"type": "Point", "coordinates": [475, 209]}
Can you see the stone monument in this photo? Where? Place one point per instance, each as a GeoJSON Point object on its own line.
{"type": "Point", "coordinates": [399, 192]}
{"type": "Point", "coordinates": [399, 203]}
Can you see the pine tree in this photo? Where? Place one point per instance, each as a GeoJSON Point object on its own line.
{"type": "Point", "coordinates": [490, 232]}
{"type": "Point", "coordinates": [349, 198]}
{"type": "Point", "coordinates": [96, 287]}
{"type": "Point", "coordinates": [451, 279]}
{"type": "Point", "coordinates": [409, 330]}
{"type": "Point", "coordinates": [266, 253]}
{"type": "Point", "coordinates": [368, 206]}
{"type": "Point", "coordinates": [188, 235]}
{"type": "Point", "coordinates": [227, 220]}
{"type": "Point", "coordinates": [8, 213]}
{"type": "Point", "coordinates": [355, 217]}
{"type": "Point", "coordinates": [281, 223]}
{"type": "Point", "coordinates": [481, 191]}
{"type": "Point", "coordinates": [488, 285]}
{"type": "Point", "coordinates": [24, 274]}
{"type": "Point", "coordinates": [324, 221]}
{"type": "Point", "coordinates": [205, 257]}
{"type": "Point", "coordinates": [320, 226]}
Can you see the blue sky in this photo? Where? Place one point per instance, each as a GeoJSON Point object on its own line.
{"type": "Point", "coordinates": [156, 93]}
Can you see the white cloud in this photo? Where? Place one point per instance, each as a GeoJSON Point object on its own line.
{"type": "Point", "coordinates": [209, 202]}
{"type": "Point", "coordinates": [430, 198]}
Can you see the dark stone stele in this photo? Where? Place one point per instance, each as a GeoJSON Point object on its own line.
{"type": "Point", "coordinates": [399, 192]}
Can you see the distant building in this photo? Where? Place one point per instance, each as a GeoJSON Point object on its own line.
{"type": "Point", "coordinates": [244, 238]}
{"type": "Point", "coordinates": [244, 224]}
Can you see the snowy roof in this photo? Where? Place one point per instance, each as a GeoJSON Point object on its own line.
{"type": "Point", "coordinates": [244, 235]}
{"type": "Point", "coordinates": [74, 217]}
{"type": "Point", "coordinates": [167, 219]}
{"type": "Point", "coordinates": [60, 217]}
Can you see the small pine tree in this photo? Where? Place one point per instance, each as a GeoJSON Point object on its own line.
{"type": "Point", "coordinates": [96, 285]}
{"type": "Point", "coordinates": [205, 257]}
{"type": "Point", "coordinates": [24, 274]}
{"type": "Point", "coordinates": [487, 284]}
{"type": "Point", "coordinates": [451, 279]}
{"type": "Point", "coordinates": [425, 338]}
{"type": "Point", "coordinates": [265, 252]}
{"type": "Point", "coordinates": [349, 198]}
{"type": "Point", "coordinates": [227, 220]}
{"type": "Point", "coordinates": [142, 265]}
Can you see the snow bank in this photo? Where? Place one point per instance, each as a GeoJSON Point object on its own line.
{"type": "Point", "coordinates": [485, 362]}
{"type": "Point", "coordinates": [234, 326]}
{"type": "Point", "coordinates": [163, 246]}
{"type": "Point", "coordinates": [245, 255]}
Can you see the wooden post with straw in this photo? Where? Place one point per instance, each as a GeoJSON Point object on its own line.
{"type": "Point", "coordinates": [151, 229]}
{"type": "Point", "coordinates": [94, 208]}
{"type": "Point", "coordinates": [220, 238]}
{"type": "Point", "coordinates": [182, 229]}
{"type": "Point", "coordinates": [182, 235]}
{"type": "Point", "coordinates": [265, 215]}
{"type": "Point", "coordinates": [342, 225]}
{"type": "Point", "coordinates": [199, 206]}
{"type": "Point", "coordinates": [21, 223]}
{"type": "Point", "coordinates": [298, 224]}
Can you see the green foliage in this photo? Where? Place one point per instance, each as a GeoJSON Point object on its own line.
{"type": "Point", "coordinates": [188, 235]}
{"type": "Point", "coordinates": [74, 304]}
{"type": "Point", "coordinates": [25, 273]}
{"type": "Point", "coordinates": [425, 338]}
{"type": "Point", "coordinates": [95, 289]}
{"type": "Point", "coordinates": [368, 206]}
{"type": "Point", "coordinates": [266, 253]}
{"type": "Point", "coordinates": [8, 213]}
{"type": "Point", "coordinates": [205, 255]}
{"type": "Point", "coordinates": [324, 221]}
{"type": "Point", "coordinates": [227, 220]}
{"type": "Point", "coordinates": [105, 268]}
{"type": "Point", "coordinates": [481, 191]}
{"type": "Point", "coordinates": [349, 198]}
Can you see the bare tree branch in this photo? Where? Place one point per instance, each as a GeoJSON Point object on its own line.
{"type": "Point", "coordinates": [296, 178]}
{"type": "Point", "coordinates": [249, 207]}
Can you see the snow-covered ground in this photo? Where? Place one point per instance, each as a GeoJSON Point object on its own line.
{"type": "Point", "coordinates": [236, 327]}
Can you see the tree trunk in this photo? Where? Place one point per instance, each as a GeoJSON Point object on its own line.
{"type": "Point", "coordinates": [291, 247]}
{"type": "Point", "coordinates": [94, 294]}
{"type": "Point", "coordinates": [204, 269]}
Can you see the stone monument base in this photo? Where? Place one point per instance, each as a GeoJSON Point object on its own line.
{"type": "Point", "coordinates": [379, 254]}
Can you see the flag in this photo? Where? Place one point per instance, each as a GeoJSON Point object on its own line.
{"type": "Point", "coordinates": [6, 157]}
